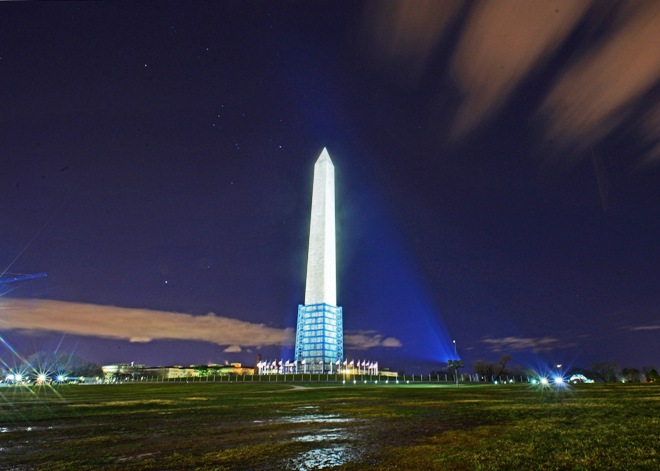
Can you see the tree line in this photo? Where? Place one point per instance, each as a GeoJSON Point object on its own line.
{"type": "Point", "coordinates": [60, 363]}
{"type": "Point", "coordinates": [607, 372]}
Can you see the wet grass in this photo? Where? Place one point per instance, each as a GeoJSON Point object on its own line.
{"type": "Point", "coordinates": [277, 426]}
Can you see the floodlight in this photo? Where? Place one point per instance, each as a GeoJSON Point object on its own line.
{"type": "Point", "coordinates": [41, 377]}
{"type": "Point", "coordinates": [544, 380]}
{"type": "Point", "coordinates": [559, 380]}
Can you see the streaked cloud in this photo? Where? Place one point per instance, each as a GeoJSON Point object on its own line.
{"type": "Point", "coordinates": [407, 32]}
{"type": "Point", "coordinates": [145, 325]}
{"type": "Point", "coordinates": [500, 43]}
{"type": "Point", "coordinates": [136, 325]}
{"type": "Point", "coordinates": [515, 344]}
{"type": "Point", "coordinates": [365, 339]}
{"type": "Point", "coordinates": [651, 129]}
{"type": "Point", "coordinates": [596, 93]}
{"type": "Point", "coordinates": [604, 81]}
{"type": "Point", "coordinates": [645, 327]}
{"type": "Point", "coordinates": [391, 342]}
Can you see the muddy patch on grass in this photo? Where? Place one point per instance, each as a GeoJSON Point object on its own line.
{"type": "Point", "coordinates": [334, 440]}
{"type": "Point", "coordinates": [26, 429]}
{"type": "Point", "coordinates": [319, 458]}
{"type": "Point", "coordinates": [139, 457]}
{"type": "Point", "coordinates": [131, 403]}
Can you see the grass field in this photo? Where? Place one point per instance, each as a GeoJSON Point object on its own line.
{"type": "Point", "coordinates": [310, 426]}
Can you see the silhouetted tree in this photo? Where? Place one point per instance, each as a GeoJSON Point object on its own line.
{"type": "Point", "coordinates": [62, 363]}
{"type": "Point", "coordinates": [608, 372]}
{"type": "Point", "coordinates": [485, 369]}
{"type": "Point", "coordinates": [501, 365]}
{"type": "Point", "coordinates": [650, 373]}
{"type": "Point", "coordinates": [520, 371]}
{"type": "Point", "coordinates": [633, 375]}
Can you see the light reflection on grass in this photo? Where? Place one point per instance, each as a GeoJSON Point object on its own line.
{"type": "Point", "coordinates": [262, 426]}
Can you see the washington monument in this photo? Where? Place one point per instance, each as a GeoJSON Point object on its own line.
{"type": "Point", "coordinates": [320, 329]}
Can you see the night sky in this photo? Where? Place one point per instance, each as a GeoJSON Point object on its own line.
{"type": "Point", "coordinates": [497, 171]}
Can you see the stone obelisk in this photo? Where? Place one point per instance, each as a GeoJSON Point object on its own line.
{"type": "Point", "coordinates": [320, 331]}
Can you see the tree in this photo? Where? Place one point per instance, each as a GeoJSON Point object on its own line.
{"type": "Point", "coordinates": [633, 375]}
{"type": "Point", "coordinates": [650, 374]}
{"type": "Point", "coordinates": [485, 369]}
{"type": "Point", "coordinates": [501, 365]}
{"type": "Point", "coordinates": [61, 363]}
{"type": "Point", "coordinates": [520, 371]}
{"type": "Point", "coordinates": [607, 372]}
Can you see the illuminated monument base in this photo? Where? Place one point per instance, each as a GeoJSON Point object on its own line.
{"type": "Point", "coordinates": [319, 338]}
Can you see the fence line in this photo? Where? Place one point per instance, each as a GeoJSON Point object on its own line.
{"type": "Point", "coordinates": [322, 377]}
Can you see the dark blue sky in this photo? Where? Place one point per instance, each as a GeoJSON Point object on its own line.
{"type": "Point", "coordinates": [495, 186]}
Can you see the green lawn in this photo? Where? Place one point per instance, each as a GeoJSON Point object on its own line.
{"type": "Point", "coordinates": [279, 426]}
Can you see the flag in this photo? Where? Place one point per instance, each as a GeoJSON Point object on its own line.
{"type": "Point", "coordinates": [345, 362]}
{"type": "Point", "coordinates": [337, 362]}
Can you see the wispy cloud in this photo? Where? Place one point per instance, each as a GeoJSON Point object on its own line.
{"type": "Point", "coordinates": [408, 32]}
{"type": "Point", "coordinates": [515, 344]}
{"type": "Point", "coordinates": [391, 342]}
{"type": "Point", "coordinates": [594, 95]}
{"type": "Point", "coordinates": [645, 327]}
{"type": "Point", "coordinates": [136, 325]}
{"type": "Point", "coordinates": [501, 44]}
{"type": "Point", "coordinates": [145, 325]}
{"type": "Point", "coordinates": [365, 339]}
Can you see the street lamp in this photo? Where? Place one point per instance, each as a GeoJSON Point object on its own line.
{"type": "Point", "coordinates": [456, 364]}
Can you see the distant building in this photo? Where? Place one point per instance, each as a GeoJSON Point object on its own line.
{"type": "Point", "coordinates": [130, 372]}
{"type": "Point", "coordinates": [120, 372]}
